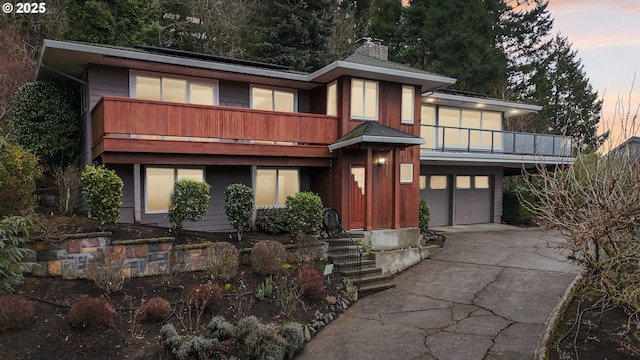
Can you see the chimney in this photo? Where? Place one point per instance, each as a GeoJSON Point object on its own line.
{"type": "Point", "coordinates": [373, 48]}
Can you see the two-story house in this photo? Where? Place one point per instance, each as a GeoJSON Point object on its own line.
{"type": "Point", "coordinates": [368, 135]}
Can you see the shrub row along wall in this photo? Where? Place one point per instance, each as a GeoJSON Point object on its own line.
{"type": "Point", "coordinates": [69, 258]}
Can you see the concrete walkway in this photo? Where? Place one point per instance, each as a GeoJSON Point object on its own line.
{"type": "Point", "coordinates": [487, 295]}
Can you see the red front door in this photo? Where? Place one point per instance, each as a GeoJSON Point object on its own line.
{"type": "Point", "coordinates": [356, 197]}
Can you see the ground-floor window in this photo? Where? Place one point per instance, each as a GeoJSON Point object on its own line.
{"type": "Point", "coordinates": [406, 173]}
{"type": "Point", "coordinates": [274, 185]}
{"type": "Point", "coordinates": [159, 185]}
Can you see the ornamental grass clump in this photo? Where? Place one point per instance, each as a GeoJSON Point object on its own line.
{"type": "Point", "coordinates": [222, 260]}
{"type": "Point", "coordinates": [311, 281]}
{"type": "Point", "coordinates": [91, 312]}
{"type": "Point", "coordinates": [15, 311]}
{"type": "Point", "coordinates": [107, 269]}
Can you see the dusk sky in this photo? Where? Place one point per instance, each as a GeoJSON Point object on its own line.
{"type": "Point", "coordinates": [607, 36]}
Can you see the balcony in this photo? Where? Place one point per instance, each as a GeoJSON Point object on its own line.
{"type": "Point", "coordinates": [125, 125]}
{"type": "Point", "coordinates": [452, 139]}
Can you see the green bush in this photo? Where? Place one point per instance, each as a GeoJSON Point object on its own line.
{"type": "Point", "coordinates": [189, 202]}
{"type": "Point", "coordinates": [102, 191]}
{"type": "Point", "coordinates": [303, 214]}
{"type": "Point", "coordinates": [11, 252]}
{"type": "Point", "coordinates": [239, 207]}
{"type": "Point", "coordinates": [18, 173]}
{"type": "Point", "coordinates": [271, 220]}
{"type": "Point", "coordinates": [515, 194]}
{"type": "Point", "coordinates": [44, 121]}
{"type": "Point", "coordinates": [424, 213]}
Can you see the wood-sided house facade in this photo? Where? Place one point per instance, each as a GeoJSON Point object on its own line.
{"type": "Point", "coordinates": [349, 131]}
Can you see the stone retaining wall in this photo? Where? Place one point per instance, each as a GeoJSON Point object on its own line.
{"type": "Point", "coordinates": [68, 258]}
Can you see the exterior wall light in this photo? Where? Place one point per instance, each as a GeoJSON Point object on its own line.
{"type": "Point", "coordinates": [381, 160]}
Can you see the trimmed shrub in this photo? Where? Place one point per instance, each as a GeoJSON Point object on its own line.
{"type": "Point", "coordinates": [44, 121]}
{"type": "Point", "coordinates": [11, 251]}
{"type": "Point", "coordinates": [239, 207]}
{"type": "Point", "coordinates": [189, 201]}
{"type": "Point", "coordinates": [221, 260]}
{"type": "Point", "coordinates": [19, 170]}
{"type": "Point", "coordinates": [15, 311]}
{"type": "Point", "coordinates": [311, 281]}
{"type": "Point", "coordinates": [271, 220]}
{"type": "Point", "coordinates": [90, 312]}
{"type": "Point", "coordinates": [220, 328]}
{"type": "Point", "coordinates": [102, 191]}
{"type": "Point", "coordinates": [156, 309]}
{"type": "Point", "coordinates": [424, 213]}
{"type": "Point", "coordinates": [107, 269]}
{"type": "Point", "coordinates": [194, 347]}
{"type": "Point", "coordinates": [303, 214]}
{"type": "Point", "coordinates": [267, 257]}
{"type": "Point", "coordinates": [293, 333]}
{"type": "Point", "coordinates": [258, 340]}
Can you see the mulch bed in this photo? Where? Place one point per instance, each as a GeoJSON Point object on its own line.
{"type": "Point", "coordinates": [49, 335]}
{"type": "Point", "coordinates": [600, 333]}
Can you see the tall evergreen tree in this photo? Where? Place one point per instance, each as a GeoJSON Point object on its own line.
{"type": "Point", "coordinates": [459, 39]}
{"type": "Point", "coordinates": [384, 23]}
{"type": "Point", "coordinates": [570, 105]}
{"type": "Point", "coordinates": [114, 22]}
{"type": "Point", "coordinates": [292, 32]}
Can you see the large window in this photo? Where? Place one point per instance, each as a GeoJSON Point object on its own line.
{"type": "Point", "coordinates": [364, 99]}
{"type": "Point", "coordinates": [332, 99]}
{"type": "Point", "coordinates": [274, 185]}
{"type": "Point", "coordinates": [159, 183]}
{"type": "Point", "coordinates": [273, 99]}
{"type": "Point", "coordinates": [460, 128]}
{"type": "Point", "coordinates": [408, 97]}
{"type": "Point", "coordinates": [148, 86]}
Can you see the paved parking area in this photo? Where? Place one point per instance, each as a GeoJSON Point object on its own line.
{"type": "Point", "coordinates": [486, 295]}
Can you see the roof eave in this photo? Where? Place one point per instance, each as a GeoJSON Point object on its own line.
{"type": "Point", "coordinates": [376, 139]}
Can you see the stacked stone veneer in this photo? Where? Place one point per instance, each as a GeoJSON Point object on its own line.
{"type": "Point", "coordinates": [70, 257]}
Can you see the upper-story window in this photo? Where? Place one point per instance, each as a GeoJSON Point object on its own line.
{"type": "Point", "coordinates": [408, 98]}
{"type": "Point", "coordinates": [364, 99]}
{"type": "Point", "coordinates": [273, 99]}
{"type": "Point", "coordinates": [149, 86]}
{"type": "Point", "coordinates": [332, 99]}
{"type": "Point", "coordinates": [460, 128]}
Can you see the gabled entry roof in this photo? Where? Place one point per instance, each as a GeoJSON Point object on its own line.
{"type": "Point", "coordinates": [375, 133]}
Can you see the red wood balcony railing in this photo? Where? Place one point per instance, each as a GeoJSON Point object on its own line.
{"type": "Point", "coordinates": [174, 127]}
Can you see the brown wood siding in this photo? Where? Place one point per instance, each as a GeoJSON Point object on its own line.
{"type": "Point", "coordinates": [382, 196]}
{"type": "Point", "coordinates": [132, 116]}
{"type": "Point", "coordinates": [113, 117]}
{"type": "Point", "coordinates": [409, 193]}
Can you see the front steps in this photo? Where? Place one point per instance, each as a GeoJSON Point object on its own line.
{"type": "Point", "coordinates": [341, 251]}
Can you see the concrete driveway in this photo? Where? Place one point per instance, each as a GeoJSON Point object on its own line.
{"type": "Point", "coordinates": [486, 295]}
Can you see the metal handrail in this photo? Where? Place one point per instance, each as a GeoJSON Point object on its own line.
{"type": "Point", "coordinates": [502, 142]}
{"type": "Point", "coordinates": [353, 250]}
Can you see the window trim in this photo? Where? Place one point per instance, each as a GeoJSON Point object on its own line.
{"type": "Point", "coordinates": [407, 181]}
{"type": "Point", "coordinates": [255, 185]}
{"type": "Point", "coordinates": [364, 104]}
{"type": "Point", "coordinates": [189, 79]}
{"type": "Point", "coordinates": [272, 89]}
{"type": "Point", "coordinates": [404, 120]}
{"type": "Point", "coordinates": [175, 178]}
